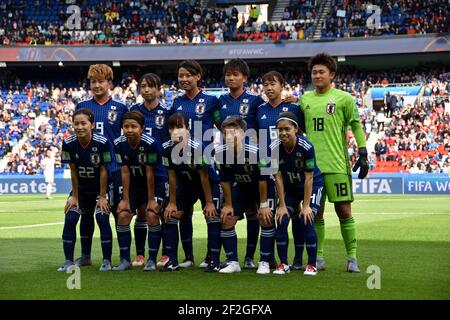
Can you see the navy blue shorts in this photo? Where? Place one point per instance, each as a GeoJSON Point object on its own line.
{"type": "Point", "coordinates": [188, 195]}
{"type": "Point", "coordinates": [245, 198]}
{"type": "Point", "coordinates": [86, 201]}
{"type": "Point", "coordinates": [139, 196]}
{"type": "Point", "coordinates": [294, 197]}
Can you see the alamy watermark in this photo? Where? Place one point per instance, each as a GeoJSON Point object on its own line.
{"type": "Point", "coordinates": [267, 153]}
{"type": "Point", "coordinates": [374, 280]}
{"type": "Point", "coordinates": [74, 281]}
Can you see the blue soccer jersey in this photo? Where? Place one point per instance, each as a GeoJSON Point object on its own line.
{"type": "Point", "coordinates": [146, 153]}
{"type": "Point", "coordinates": [294, 163]}
{"type": "Point", "coordinates": [155, 120]}
{"type": "Point", "coordinates": [243, 168]}
{"type": "Point", "coordinates": [245, 106]}
{"type": "Point", "coordinates": [186, 166]}
{"type": "Point", "coordinates": [87, 160]}
{"type": "Point", "coordinates": [108, 117]}
{"type": "Point", "coordinates": [267, 117]}
{"type": "Point", "coordinates": [202, 109]}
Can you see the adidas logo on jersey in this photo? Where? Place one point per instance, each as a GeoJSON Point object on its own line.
{"type": "Point", "coordinates": [180, 108]}
{"type": "Point", "coordinates": [263, 117]}
{"type": "Point", "coordinates": [224, 106]}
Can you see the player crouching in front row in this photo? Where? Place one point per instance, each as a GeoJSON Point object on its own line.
{"type": "Point", "coordinates": [138, 154]}
{"type": "Point", "coordinates": [243, 185]}
{"type": "Point", "coordinates": [191, 178]}
{"type": "Point", "coordinates": [87, 154]}
{"type": "Point", "coordinates": [297, 178]}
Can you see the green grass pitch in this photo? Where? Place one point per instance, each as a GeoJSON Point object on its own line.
{"type": "Point", "coordinates": [407, 237]}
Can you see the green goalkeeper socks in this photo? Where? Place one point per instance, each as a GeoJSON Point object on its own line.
{"type": "Point", "coordinates": [348, 231]}
{"type": "Point", "coordinates": [319, 225]}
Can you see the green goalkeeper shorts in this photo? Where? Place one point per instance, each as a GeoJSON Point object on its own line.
{"type": "Point", "coordinates": [338, 187]}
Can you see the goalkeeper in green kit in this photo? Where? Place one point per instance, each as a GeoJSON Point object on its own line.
{"type": "Point", "coordinates": [329, 113]}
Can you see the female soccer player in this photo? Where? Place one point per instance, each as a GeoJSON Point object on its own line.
{"type": "Point", "coordinates": [191, 178]}
{"type": "Point", "coordinates": [267, 115]}
{"type": "Point", "coordinates": [243, 103]}
{"type": "Point", "coordinates": [138, 154]}
{"type": "Point", "coordinates": [202, 111]}
{"type": "Point", "coordinates": [243, 185]}
{"type": "Point", "coordinates": [156, 114]}
{"type": "Point", "coordinates": [88, 155]}
{"type": "Point", "coordinates": [108, 115]}
{"type": "Point", "coordinates": [297, 179]}
{"type": "Point", "coordinates": [328, 113]}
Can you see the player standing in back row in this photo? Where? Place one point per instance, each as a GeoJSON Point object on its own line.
{"type": "Point", "coordinates": [108, 116]}
{"type": "Point", "coordinates": [202, 111]}
{"type": "Point", "coordinates": [328, 114]}
{"type": "Point", "coordinates": [243, 103]}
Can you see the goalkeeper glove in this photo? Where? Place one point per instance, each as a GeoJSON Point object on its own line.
{"type": "Point", "coordinates": [362, 163]}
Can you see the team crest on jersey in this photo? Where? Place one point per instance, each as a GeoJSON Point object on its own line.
{"type": "Point", "coordinates": [331, 108]}
{"type": "Point", "coordinates": [243, 110]}
{"type": "Point", "coordinates": [141, 158]}
{"type": "Point", "coordinates": [200, 107]}
{"type": "Point", "coordinates": [94, 149]}
{"type": "Point", "coordinates": [95, 158]}
{"type": "Point", "coordinates": [159, 120]}
{"type": "Point", "coordinates": [112, 114]}
{"type": "Point", "coordinates": [299, 163]}
{"type": "Point", "coordinates": [285, 109]}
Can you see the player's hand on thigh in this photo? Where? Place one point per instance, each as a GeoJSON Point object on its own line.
{"type": "Point", "coordinates": [307, 214]}
{"type": "Point", "coordinates": [209, 210]}
{"type": "Point", "coordinates": [103, 205]}
{"type": "Point", "coordinates": [170, 211]}
{"type": "Point", "coordinates": [265, 217]}
{"type": "Point", "coordinates": [226, 212]}
{"type": "Point", "coordinates": [71, 202]}
{"type": "Point", "coordinates": [280, 213]}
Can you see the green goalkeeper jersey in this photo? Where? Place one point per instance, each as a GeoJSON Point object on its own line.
{"type": "Point", "coordinates": [327, 119]}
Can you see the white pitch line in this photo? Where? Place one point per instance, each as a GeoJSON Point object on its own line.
{"type": "Point", "coordinates": [32, 226]}
{"type": "Point", "coordinates": [327, 213]}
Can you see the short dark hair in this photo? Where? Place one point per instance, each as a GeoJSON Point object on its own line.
{"type": "Point", "coordinates": [153, 80]}
{"type": "Point", "coordinates": [323, 59]}
{"type": "Point", "coordinates": [178, 120]}
{"type": "Point", "coordinates": [237, 65]}
{"type": "Point", "coordinates": [86, 112]}
{"type": "Point", "coordinates": [134, 115]}
{"type": "Point", "coordinates": [234, 121]}
{"type": "Point", "coordinates": [273, 76]}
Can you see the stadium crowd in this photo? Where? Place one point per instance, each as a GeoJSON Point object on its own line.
{"type": "Point", "coordinates": [398, 17]}
{"type": "Point", "coordinates": [25, 22]}
{"type": "Point", "coordinates": [42, 113]}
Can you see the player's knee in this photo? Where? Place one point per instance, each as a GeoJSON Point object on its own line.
{"type": "Point", "coordinates": [71, 218]}
{"type": "Point", "coordinates": [265, 224]}
{"type": "Point", "coordinates": [343, 209]}
{"type": "Point", "coordinates": [152, 218]}
{"type": "Point", "coordinates": [283, 224]}
{"type": "Point", "coordinates": [102, 219]}
{"type": "Point", "coordinates": [229, 222]}
{"type": "Point", "coordinates": [124, 218]}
